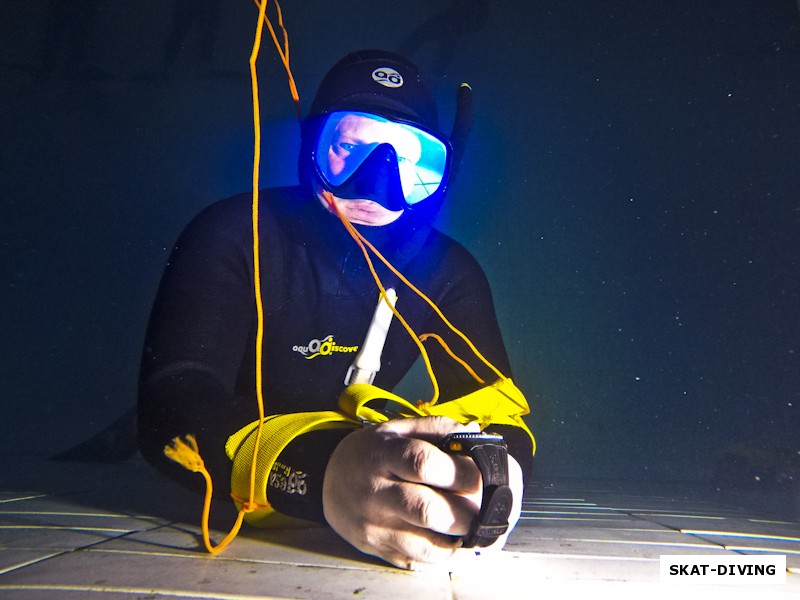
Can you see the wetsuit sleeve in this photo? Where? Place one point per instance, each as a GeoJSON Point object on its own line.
{"type": "Point", "coordinates": [202, 314]}
{"type": "Point", "coordinates": [202, 321]}
{"type": "Point", "coordinates": [295, 484]}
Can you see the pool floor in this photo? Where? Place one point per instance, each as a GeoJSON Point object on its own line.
{"type": "Point", "coordinates": [71, 530]}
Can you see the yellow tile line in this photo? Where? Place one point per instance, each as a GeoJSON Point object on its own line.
{"type": "Point", "coordinates": [562, 512]}
{"type": "Point", "coordinates": [72, 514]}
{"type": "Point", "coordinates": [760, 549]}
{"type": "Point", "coordinates": [618, 529]}
{"type": "Point", "coordinates": [758, 536]}
{"type": "Point", "coordinates": [558, 503]}
{"type": "Point", "coordinates": [680, 515]}
{"type": "Point", "coordinates": [38, 558]}
{"type": "Point", "coordinates": [19, 498]}
{"type": "Point", "coordinates": [197, 555]}
{"type": "Point", "coordinates": [773, 522]}
{"type": "Point", "coordinates": [67, 528]}
{"type": "Point", "coordinates": [137, 591]}
{"type": "Point", "coordinates": [526, 518]}
{"type": "Point", "coordinates": [643, 543]}
{"type": "Point", "coordinates": [178, 553]}
{"type": "Point", "coordinates": [560, 555]}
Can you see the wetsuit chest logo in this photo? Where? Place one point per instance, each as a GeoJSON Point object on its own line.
{"type": "Point", "coordinates": [326, 346]}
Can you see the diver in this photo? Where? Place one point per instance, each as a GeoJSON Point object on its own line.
{"type": "Point", "coordinates": [373, 151]}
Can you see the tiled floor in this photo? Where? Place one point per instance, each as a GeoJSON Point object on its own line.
{"type": "Point", "coordinates": [120, 531]}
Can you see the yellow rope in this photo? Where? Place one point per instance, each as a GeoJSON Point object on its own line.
{"type": "Point", "coordinates": [360, 241]}
{"type": "Point", "coordinates": [283, 52]}
{"type": "Point", "coordinates": [256, 246]}
{"type": "Point", "coordinates": [363, 243]}
{"type": "Point", "coordinates": [186, 452]}
{"type": "Point", "coordinates": [452, 355]}
{"type": "Point", "coordinates": [430, 303]}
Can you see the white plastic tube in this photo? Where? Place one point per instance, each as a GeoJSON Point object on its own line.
{"type": "Point", "coordinates": [368, 360]}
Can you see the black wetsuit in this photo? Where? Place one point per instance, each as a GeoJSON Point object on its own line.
{"type": "Point", "coordinates": [319, 297]}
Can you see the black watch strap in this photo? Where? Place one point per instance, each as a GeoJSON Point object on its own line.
{"type": "Point", "coordinates": [491, 456]}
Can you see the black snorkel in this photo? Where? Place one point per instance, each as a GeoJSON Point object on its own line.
{"type": "Point", "coordinates": [462, 125]}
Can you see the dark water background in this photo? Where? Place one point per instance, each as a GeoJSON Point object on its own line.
{"type": "Point", "coordinates": [631, 186]}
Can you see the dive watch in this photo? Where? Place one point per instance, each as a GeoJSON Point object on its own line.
{"type": "Point", "coordinates": [490, 454]}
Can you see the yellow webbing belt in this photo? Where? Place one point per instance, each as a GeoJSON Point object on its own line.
{"type": "Point", "coordinates": [501, 403]}
{"type": "Point", "coordinates": [277, 432]}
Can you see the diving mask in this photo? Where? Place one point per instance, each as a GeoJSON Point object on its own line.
{"type": "Point", "coordinates": [361, 155]}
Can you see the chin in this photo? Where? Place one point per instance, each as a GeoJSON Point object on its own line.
{"type": "Point", "coordinates": [364, 212]}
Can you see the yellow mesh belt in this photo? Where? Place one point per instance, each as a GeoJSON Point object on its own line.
{"type": "Point", "coordinates": [501, 403]}
{"type": "Point", "coordinates": [278, 431]}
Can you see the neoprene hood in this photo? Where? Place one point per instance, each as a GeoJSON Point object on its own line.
{"type": "Point", "coordinates": [380, 82]}
{"type": "Point", "coordinates": [376, 82]}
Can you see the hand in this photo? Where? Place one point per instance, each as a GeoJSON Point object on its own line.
{"type": "Point", "coordinates": [391, 492]}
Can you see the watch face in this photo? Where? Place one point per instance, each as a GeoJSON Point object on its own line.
{"type": "Point", "coordinates": [463, 443]}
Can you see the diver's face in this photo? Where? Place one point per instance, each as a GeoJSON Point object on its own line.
{"type": "Point", "coordinates": [356, 136]}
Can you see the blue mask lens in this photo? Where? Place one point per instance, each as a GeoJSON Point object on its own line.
{"type": "Point", "coordinates": [347, 139]}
